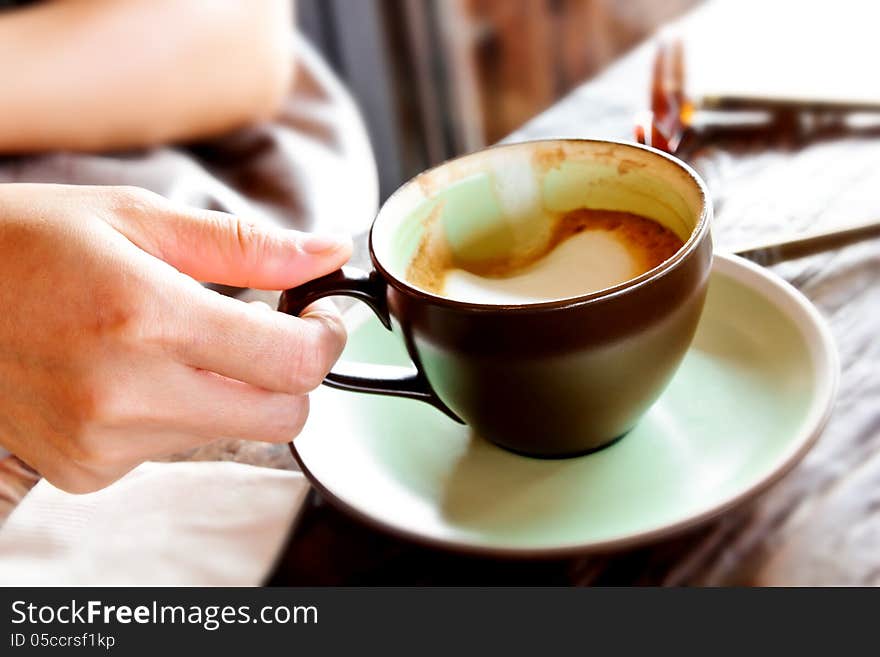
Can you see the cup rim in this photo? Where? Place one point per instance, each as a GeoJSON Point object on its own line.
{"type": "Point", "coordinates": [696, 237]}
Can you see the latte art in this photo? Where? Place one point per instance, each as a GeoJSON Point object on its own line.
{"type": "Point", "coordinates": [564, 272]}
{"type": "Point", "coordinates": [587, 251]}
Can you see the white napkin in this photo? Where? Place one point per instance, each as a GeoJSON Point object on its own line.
{"type": "Point", "coordinates": [174, 524]}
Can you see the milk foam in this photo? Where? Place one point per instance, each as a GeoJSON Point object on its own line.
{"type": "Point", "coordinates": [586, 262]}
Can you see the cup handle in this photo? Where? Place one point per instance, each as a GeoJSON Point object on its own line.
{"type": "Point", "coordinates": [390, 380]}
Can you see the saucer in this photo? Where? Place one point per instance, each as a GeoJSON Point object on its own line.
{"type": "Point", "coordinates": [747, 403]}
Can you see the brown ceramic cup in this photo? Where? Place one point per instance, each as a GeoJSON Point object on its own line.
{"type": "Point", "coordinates": [550, 379]}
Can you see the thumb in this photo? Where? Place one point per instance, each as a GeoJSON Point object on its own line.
{"type": "Point", "coordinates": [217, 247]}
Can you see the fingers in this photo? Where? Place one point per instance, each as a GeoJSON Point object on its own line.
{"type": "Point", "coordinates": [269, 350]}
{"type": "Point", "coordinates": [210, 406]}
{"type": "Point", "coordinates": [244, 342]}
{"type": "Point", "coordinates": [190, 409]}
{"type": "Point", "coordinates": [220, 248]}
{"type": "Point", "coordinates": [188, 402]}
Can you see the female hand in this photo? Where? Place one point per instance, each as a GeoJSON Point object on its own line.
{"type": "Point", "coordinates": [111, 352]}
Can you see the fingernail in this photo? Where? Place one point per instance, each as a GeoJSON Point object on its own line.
{"type": "Point", "coordinates": [318, 244]}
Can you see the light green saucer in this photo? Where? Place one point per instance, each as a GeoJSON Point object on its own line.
{"type": "Point", "coordinates": [749, 400]}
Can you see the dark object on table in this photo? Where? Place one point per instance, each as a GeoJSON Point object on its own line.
{"type": "Point", "coordinates": [678, 124]}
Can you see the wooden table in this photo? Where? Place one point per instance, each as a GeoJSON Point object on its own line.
{"type": "Point", "coordinates": [821, 524]}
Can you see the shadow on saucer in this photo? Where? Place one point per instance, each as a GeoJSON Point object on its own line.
{"type": "Point", "coordinates": [492, 489]}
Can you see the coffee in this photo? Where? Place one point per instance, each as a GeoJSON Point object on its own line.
{"type": "Point", "coordinates": [582, 251]}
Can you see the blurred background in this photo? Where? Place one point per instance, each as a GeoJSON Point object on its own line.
{"type": "Point", "coordinates": [436, 78]}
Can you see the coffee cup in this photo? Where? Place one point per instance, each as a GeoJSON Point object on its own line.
{"type": "Point", "coordinates": [547, 377]}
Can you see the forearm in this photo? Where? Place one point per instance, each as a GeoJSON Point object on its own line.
{"type": "Point", "coordinates": [108, 74]}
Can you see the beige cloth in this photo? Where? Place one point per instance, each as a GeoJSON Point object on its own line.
{"type": "Point", "coordinates": [311, 168]}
